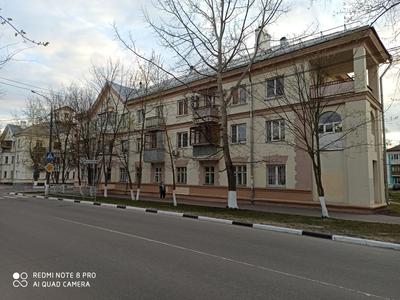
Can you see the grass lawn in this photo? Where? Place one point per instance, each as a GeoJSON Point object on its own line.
{"type": "Point", "coordinates": [378, 231]}
{"type": "Point", "coordinates": [394, 208]}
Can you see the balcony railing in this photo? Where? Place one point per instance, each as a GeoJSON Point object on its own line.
{"type": "Point", "coordinates": [205, 114]}
{"type": "Point", "coordinates": [333, 88]}
{"type": "Point", "coordinates": [154, 122]}
{"type": "Point", "coordinates": [153, 155]}
{"type": "Point", "coordinates": [204, 150]}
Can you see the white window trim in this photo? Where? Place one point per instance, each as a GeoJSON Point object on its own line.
{"type": "Point", "coordinates": [236, 126]}
{"type": "Point", "coordinates": [276, 170]}
{"type": "Point", "coordinates": [270, 123]}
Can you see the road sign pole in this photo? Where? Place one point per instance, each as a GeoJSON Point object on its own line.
{"type": "Point", "coordinates": [50, 150]}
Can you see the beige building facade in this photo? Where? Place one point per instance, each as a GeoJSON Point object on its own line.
{"type": "Point", "coordinates": [268, 165]}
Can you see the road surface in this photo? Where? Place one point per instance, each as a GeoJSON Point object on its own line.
{"type": "Point", "coordinates": [134, 255]}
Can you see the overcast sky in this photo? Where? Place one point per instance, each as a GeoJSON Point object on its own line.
{"type": "Point", "coordinates": [80, 32]}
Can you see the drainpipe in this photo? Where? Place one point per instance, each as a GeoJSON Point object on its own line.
{"type": "Point", "coordinates": [252, 192]}
{"type": "Point", "coordinates": [385, 177]}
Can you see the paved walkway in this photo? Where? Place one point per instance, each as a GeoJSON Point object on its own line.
{"type": "Point", "coordinates": [275, 208]}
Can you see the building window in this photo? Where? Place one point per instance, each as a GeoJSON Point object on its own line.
{"type": "Point", "coordinates": [181, 175]}
{"type": "Point", "coordinates": [238, 133]}
{"type": "Point", "coordinates": [123, 175]}
{"type": "Point", "coordinates": [124, 120]}
{"type": "Point", "coordinates": [19, 143]}
{"type": "Point", "coordinates": [395, 156]}
{"type": "Point", "coordinates": [182, 139]}
{"type": "Point", "coordinates": [159, 111]}
{"type": "Point", "coordinates": [275, 87]}
{"type": "Point", "coordinates": [276, 175]}
{"type": "Point", "coordinates": [241, 174]}
{"type": "Point", "coordinates": [12, 159]}
{"type": "Point", "coordinates": [140, 116]}
{"type": "Point", "coordinates": [124, 146]}
{"type": "Point", "coordinates": [209, 175]}
{"type": "Point", "coordinates": [330, 122]}
{"type": "Point", "coordinates": [5, 174]}
{"type": "Point", "coordinates": [108, 175]}
{"type": "Point", "coordinates": [239, 95]}
{"type": "Point", "coordinates": [182, 107]}
{"type": "Point", "coordinates": [275, 130]}
{"type": "Point", "coordinates": [138, 144]}
{"type": "Point", "coordinates": [6, 160]}
{"type": "Point", "coordinates": [157, 174]}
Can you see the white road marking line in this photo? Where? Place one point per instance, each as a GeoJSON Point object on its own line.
{"type": "Point", "coordinates": [323, 283]}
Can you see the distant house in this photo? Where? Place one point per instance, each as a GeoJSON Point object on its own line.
{"type": "Point", "coordinates": [393, 165]}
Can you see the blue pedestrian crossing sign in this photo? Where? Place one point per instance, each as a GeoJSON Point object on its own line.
{"type": "Point", "coordinates": [49, 156]}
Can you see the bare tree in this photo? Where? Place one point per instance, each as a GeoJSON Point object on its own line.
{"type": "Point", "coordinates": [209, 38]}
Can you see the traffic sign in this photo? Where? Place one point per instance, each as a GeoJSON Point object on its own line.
{"type": "Point", "coordinates": [49, 156]}
{"type": "Point", "coordinates": [49, 168]}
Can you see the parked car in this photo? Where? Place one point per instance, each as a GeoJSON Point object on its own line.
{"type": "Point", "coordinates": [396, 187]}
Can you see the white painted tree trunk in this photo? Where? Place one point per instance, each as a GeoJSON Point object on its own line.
{"type": "Point", "coordinates": [46, 190]}
{"type": "Point", "coordinates": [35, 183]}
{"type": "Point", "coordinates": [132, 195]}
{"type": "Point", "coordinates": [105, 191]}
{"type": "Point", "coordinates": [63, 188]}
{"type": "Point", "coordinates": [174, 197]}
{"type": "Point", "coordinates": [232, 199]}
{"type": "Point", "coordinates": [80, 190]}
{"type": "Point", "coordinates": [324, 210]}
{"type": "Point", "coordinates": [137, 194]}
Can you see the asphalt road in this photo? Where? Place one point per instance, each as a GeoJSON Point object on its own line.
{"type": "Point", "coordinates": [137, 255]}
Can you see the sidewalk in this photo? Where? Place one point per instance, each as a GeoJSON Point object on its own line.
{"type": "Point", "coordinates": [275, 208]}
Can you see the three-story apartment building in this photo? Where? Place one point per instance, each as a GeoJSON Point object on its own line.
{"type": "Point", "coordinates": [268, 165]}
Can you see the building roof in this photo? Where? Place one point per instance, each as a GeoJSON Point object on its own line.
{"type": "Point", "coordinates": [125, 92]}
{"type": "Point", "coordinates": [393, 149]}
{"type": "Point", "coordinates": [274, 51]}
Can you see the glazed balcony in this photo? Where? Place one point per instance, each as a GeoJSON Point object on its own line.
{"type": "Point", "coordinates": [153, 155]}
{"type": "Point", "coordinates": [155, 123]}
{"type": "Point", "coordinates": [205, 114]}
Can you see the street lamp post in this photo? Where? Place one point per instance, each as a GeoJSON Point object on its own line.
{"type": "Point", "coordinates": [50, 149]}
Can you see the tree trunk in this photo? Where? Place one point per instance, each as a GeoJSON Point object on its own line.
{"type": "Point", "coordinates": [174, 197]}
{"type": "Point", "coordinates": [320, 187]}
{"type": "Point", "coordinates": [132, 194]}
{"type": "Point", "coordinates": [138, 194]}
{"type": "Point", "coordinates": [232, 197]}
{"type": "Point", "coordinates": [105, 191]}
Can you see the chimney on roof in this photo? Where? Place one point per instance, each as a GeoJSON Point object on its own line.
{"type": "Point", "coordinates": [284, 42]}
{"type": "Point", "coordinates": [264, 41]}
{"type": "Point", "coordinates": [22, 124]}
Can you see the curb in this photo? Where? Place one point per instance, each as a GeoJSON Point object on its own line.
{"type": "Point", "coordinates": [332, 237]}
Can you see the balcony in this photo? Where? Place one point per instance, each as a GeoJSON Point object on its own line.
{"type": "Point", "coordinates": [154, 123]}
{"type": "Point", "coordinates": [205, 139]}
{"type": "Point", "coordinates": [205, 114]}
{"type": "Point", "coordinates": [205, 151]}
{"type": "Point", "coordinates": [6, 145]}
{"type": "Point", "coordinates": [333, 88]}
{"type": "Point", "coordinates": [153, 155]}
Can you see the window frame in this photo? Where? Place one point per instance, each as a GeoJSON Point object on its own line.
{"type": "Point", "coordinates": [181, 175]}
{"type": "Point", "coordinates": [180, 139]}
{"type": "Point", "coordinates": [276, 175]}
{"type": "Point", "coordinates": [240, 172]}
{"type": "Point", "coordinates": [269, 129]}
{"type": "Point", "coordinates": [273, 83]}
{"type": "Point", "coordinates": [185, 107]}
{"type": "Point", "coordinates": [209, 175]}
{"type": "Point", "coordinates": [235, 133]}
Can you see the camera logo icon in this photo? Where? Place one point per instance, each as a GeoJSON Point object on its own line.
{"type": "Point", "coordinates": [20, 279]}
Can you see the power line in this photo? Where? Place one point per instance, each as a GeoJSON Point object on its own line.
{"type": "Point", "coordinates": [23, 83]}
